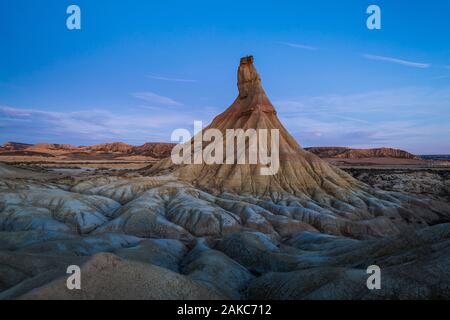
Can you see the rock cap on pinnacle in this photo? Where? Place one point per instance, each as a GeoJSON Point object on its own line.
{"type": "Point", "coordinates": [248, 78]}
{"type": "Point", "coordinates": [251, 93]}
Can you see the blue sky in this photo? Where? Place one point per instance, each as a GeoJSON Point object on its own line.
{"type": "Point", "coordinates": [137, 70]}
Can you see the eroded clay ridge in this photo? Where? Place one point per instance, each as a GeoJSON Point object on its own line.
{"type": "Point", "coordinates": [156, 150]}
{"type": "Point", "coordinates": [349, 153]}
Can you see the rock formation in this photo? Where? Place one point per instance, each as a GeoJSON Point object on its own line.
{"type": "Point", "coordinates": [155, 150]}
{"type": "Point", "coordinates": [106, 150]}
{"type": "Point", "coordinates": [15, 146]}
{"type": "Point", "coordinates": [119, 147]}
{"type": "Point", "coordinates": [300, 173]}
{"type": "Point", "coordinates": [349, 153]}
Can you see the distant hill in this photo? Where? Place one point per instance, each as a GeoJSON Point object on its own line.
{"type": "Point", "coordinates": [156, 150]}
{"type": "Point", "coordinates": [115, 147]}
{"type": "Point", "coordinates": [106, 150]}
{"type": "Point", "coordinates": [15, 146]}
{"type": "Point", "coordinates": [349, 153]}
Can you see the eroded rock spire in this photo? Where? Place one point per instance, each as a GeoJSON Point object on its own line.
{"type": "Point", "coordinates": [249, 80]}
{"type": "Point", "coordinates": [252, 96]}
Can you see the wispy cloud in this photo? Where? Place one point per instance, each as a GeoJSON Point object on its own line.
{"type": "Point", "coordinates": [89, 126]}
{"type": "Point", "coordinates": [157, 99]}
{"type": "Point", "coordinates": [298, 45]}
{"type": "Point", "coordinates": [134, 125]}
{"type": "Point", "coordinates": [413, 118]}
{"type": "Point", "coordinates": [397, 61]}
{"type": "Point", "coordinates": [163, 78]}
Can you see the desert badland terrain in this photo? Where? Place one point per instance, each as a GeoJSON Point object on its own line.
{"type": "Point", "coordinates": [141, 227]}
